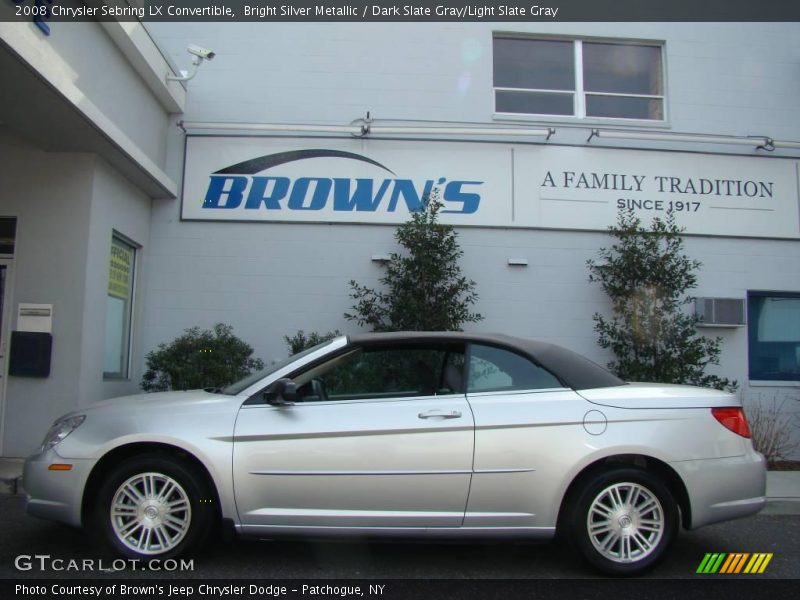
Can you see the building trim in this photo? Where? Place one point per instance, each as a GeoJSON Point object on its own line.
{"type": "Point", "coordinates": [135, 43]}
{"type": "Point", "coordinates": [147, 174]}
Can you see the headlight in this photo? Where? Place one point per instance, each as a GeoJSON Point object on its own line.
{"type": "Point", "coordinates": [61, 429]}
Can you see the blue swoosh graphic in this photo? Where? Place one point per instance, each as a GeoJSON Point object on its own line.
{"type": "Point", "coordinates": [262, 163]}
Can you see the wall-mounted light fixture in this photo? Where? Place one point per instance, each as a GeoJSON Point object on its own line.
{"type": "Point", "coordinates": [370, 129]}
{"type": "Point", "coordinates": [381, 258]}
{"type": "Point", "coordinates": [366, 127]}
{"type": "Point", "coordinates": [759, 141]}
{"type": "Point", "coordinates": [518, 262]}
{"type": "Point", "coordinates": [785, 144]}
{"type": "Point", "coordinates": [275, 127]}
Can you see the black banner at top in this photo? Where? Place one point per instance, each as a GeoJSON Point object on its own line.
{"type": "Point", "coordinates": [400, 10]}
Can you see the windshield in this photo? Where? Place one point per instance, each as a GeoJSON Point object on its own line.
{"type": "Point", "coordinates": [241, 385]}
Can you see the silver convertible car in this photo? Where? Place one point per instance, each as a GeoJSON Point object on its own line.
{"type": "Point", "coordinates": [426, 435]}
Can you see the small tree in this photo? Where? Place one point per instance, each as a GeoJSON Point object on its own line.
{"type": "Point", "coordinates": [199, 359]}
{"type": "Point", "coordinates": [646, 274]}
{"type": "Point", "coordinates": [425, 288]}
{"type": "Point", "coordinates": [773, 428]}
{"type": "Point", "coordinates": [300, 341]}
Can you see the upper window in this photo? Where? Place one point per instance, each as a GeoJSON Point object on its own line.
{"type": "Point", "coordinates": [494, 369]}
{"type": "Point", "coordinates": [773, 322]}
{"type": "Point", "coordinates": [576, 78]}
{"type": "Point", "coordinates": [379, 372]}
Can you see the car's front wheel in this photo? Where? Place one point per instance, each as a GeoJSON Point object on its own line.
{"type": "Point", "coordinates": [623, 520]}
{"type": "Point", "coordinates": [154, 506]}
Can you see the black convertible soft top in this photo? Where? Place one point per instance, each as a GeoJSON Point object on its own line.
{"type": "Point", "coordinates": [574, 370]}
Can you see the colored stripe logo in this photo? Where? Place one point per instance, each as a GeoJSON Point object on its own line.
{"type": "Point", "coordinates": [734, 563]}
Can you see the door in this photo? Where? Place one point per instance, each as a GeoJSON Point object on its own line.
{"type": "Point", "coordinates": [378, 437]}
{"type": "Point", "coordinates": [524, 436]}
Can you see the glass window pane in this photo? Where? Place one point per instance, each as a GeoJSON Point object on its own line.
{"type": "Point", "coordinates": [495, 369]}
{"type": "Point", "coordinates": [622, 107]}
{"type": "Point", "coordinates": [375, 373]}
{"type": "Point", "coordinates": [534, 64]}
{"type": "Point", "coordinates": [622, 69]}
{"type": "Point", "coordinates": [774, 332]}
{"type": "Point", "coordinates": [8, 231]}
{"type": "Point", "coordinates": [534, 103]}
{"type": "Point", "coordinates": [118, 308]}
{"type": "Point", "coordinates": [2, 292]}
{"type": "Point", "coordinates": [115, 336]}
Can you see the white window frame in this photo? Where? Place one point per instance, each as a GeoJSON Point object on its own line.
{"type": "Point", "coordinates": [579, 93]}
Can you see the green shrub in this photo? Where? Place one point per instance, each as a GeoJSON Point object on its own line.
{"type": "Point", "coordinates": [199, 359]}
{"type": "Point", "coordinates": [300, 341]}
{"type": "Point", "coordinates": [424, 288]}
{"type": "Point", "coordinates": [774, 428]}
{"type": "Point", "coordinates": [646, 275]}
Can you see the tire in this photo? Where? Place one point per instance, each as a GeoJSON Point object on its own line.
{"type": "Point", "coordinates": [154, 506]}
{"type": "Point", "coordinates": [623, 520]}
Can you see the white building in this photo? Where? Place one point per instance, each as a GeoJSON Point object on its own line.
{"type": "Point", "coordinates": [120, 231]}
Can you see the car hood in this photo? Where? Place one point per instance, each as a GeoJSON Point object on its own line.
{"type": "Point", "coordinates": [162, 402]}
{"type": "Point", "coordinates": [184, 419]}
{"type": "Point", "coordinates": [659, 395]}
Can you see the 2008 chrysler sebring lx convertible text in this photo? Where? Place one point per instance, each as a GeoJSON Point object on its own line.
{"type": "Point", "coordinates": [441, 435]}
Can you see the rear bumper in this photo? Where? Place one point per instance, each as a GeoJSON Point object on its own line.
{"type": "Point", "coordinates": [55, 495]}
{"type": "Point", "coordinates": [722, 489]}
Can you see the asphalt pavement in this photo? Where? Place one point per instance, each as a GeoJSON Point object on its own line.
{"type": "Point", "coordinates": [25, 536]}
{"type": "Point", "coordinates": [775, 530]}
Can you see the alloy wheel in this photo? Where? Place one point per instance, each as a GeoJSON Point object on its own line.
{"type": "Point", "coordinates": [150, 513]}
{"type": "Point", "coordinates": [625, 522]}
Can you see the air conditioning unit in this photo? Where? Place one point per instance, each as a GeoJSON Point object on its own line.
{"type": "Point", "coordinates": [720, 312]}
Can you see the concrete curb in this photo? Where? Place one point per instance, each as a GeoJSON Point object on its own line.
{"type": "Point", "coordinates": [10, 487]}
{"type": "Point", "coordinates": [11, 475]}
{"type": "Point", "coordinates": [783, 485]}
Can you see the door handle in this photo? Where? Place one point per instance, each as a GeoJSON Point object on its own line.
{"type": "Point", "coordinates": [440, 414]}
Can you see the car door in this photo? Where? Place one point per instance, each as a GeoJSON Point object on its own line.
{"type": "Point", "coordinates": [525, 423]}
{"type": "Point", "coordinates": [377, 437]}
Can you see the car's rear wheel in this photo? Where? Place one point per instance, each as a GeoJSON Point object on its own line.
{"type": "Point", "coordinates": [623, 520]}
{"type": "Point", "coordinates": [154, 507]}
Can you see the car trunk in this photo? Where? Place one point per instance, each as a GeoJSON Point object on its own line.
{"type": "Point", "coordinates": [659, 395]}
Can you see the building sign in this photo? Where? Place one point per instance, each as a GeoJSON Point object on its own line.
{"type": "Point", "coordinates": [482, 184]}
{"type": "Point", "coordinates": [340, 181]}
{"type": "Point", "coordinates": [583, 188]}
{"type": "Point", "coordinates": [119, 274]}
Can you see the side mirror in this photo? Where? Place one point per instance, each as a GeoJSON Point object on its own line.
{"type": "Point", "coordinates": [281, 393]}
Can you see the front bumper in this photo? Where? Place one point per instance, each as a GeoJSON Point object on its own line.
{"type": "Point", "coordinates": [55, 495]}
{"type": "Point", "coordinates": [722, 489]}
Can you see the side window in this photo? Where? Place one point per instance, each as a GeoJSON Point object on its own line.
{"type": "Point", "coordinates": [773, 325]}
{"type": "Point", "coordinates": [385, 372]}
{"type": "Point", "coordinates": [494, 369]}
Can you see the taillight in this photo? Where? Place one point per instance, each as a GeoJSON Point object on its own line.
{"type": "Point", "coordinates": [732, 418]}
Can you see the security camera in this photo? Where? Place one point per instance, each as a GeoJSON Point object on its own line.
{"type": "Point", "coordinates": [203, 53]}
{"type": "Point", "coordinates": [200, 54]}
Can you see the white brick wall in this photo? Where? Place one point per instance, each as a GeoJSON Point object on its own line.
{"type": "Point", "coordinates": [271, 280]}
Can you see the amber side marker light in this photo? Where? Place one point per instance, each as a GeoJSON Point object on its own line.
{"type": "Point", "coordinates": [59, 467]}
{"type": "Point", "coordinates": [732, 418]}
